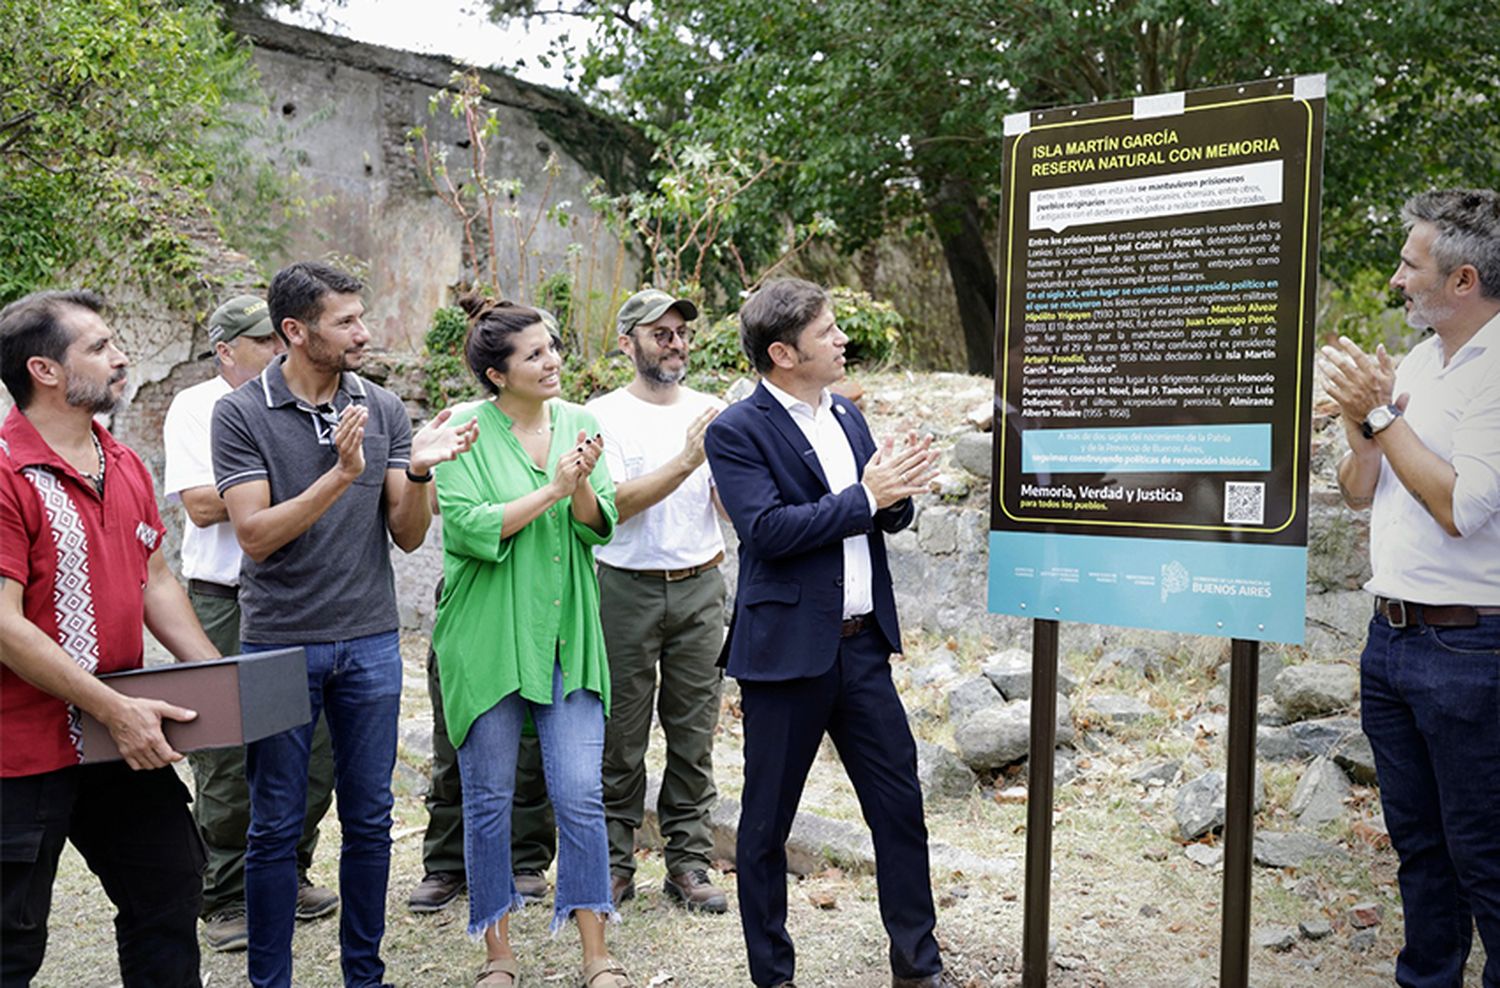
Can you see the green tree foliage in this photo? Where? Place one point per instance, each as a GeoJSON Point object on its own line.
{"type": "Point", "coordinates": [105, 111]}
{"type": "Point", "coordinates": [890, 111]}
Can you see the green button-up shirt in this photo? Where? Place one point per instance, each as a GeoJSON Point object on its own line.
{"type": "Point", "coordinates": [511, 603]}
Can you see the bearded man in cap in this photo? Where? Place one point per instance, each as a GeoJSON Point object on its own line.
{"type": "Point", "coordinates": [661, 600]}
{"type": "Point", "coordinates": [242, 342]}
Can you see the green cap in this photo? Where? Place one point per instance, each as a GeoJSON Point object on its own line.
{"type": "Point", "coordinates": [649, 306]}
{"type": "Point", "coordinates": [243, 315]}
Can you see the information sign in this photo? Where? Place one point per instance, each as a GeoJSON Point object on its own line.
{"type": "Point", "coordinates": [1158, 265]}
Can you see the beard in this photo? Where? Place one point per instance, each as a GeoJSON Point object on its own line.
{"type": "Point", "coordinates": [99, 399]}
{"type": "Point", "coordinates": [1427, 310]}
{"type": "Point", "coordinates": [652, 373]}
{"type": "Point", "coordinates": [327, 358]}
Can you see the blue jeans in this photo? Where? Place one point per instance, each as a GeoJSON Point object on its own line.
{"type": "Point", "coordinates": [357, 685]}
{"type": "Point", "coordinates": [1430, 700]}
{"type": "Point", "coordinates": [571, 731]}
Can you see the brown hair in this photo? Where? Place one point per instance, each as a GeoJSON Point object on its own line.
{"type": "Point", "coordinates": [493, 327]}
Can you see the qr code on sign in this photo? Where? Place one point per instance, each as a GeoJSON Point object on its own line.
{"type": "Point", "coordinates": [1244, 503]}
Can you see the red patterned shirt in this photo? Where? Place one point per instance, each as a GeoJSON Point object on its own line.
{"type": "Point", "coordinates": [82, 560]}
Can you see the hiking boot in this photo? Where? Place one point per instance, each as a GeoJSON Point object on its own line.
{"type": "Point", "coordinates": [621, 887]}
{"type": "Point", "coordinates": [695, 892]}
{"type": "Point", "coordinates": [435, 891]}
{"type": "Point", "coordinates": [226, 930]}
{"type": "Point", "coordinates": [314, 901]}
{"type": "Point", "coordinates": [531, 886]}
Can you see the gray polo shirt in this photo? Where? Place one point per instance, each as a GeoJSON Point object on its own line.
{"type": "Point", "coordinates": [334, 581]}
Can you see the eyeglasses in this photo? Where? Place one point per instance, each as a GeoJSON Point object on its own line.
{"type": "Point", "coordinates": [663, 335]}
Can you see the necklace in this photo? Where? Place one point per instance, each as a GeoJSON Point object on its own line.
{"type": "Point", "coordinates": [97, 479]}
{"type": "Point", "coordinates": [518, 427]}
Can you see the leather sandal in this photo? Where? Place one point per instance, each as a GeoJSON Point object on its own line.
{"type": "Point", "coordinates": [606, 972]}
{"type": "Point", "coordinates": [493, 971]}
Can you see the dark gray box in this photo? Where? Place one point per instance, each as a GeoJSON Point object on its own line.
{"type": "Point", "coordinates": [239, 699]}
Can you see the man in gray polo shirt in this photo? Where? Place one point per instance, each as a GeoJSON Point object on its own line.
{"type": "Point", "coordinates": [242, 342]}
{"type": "Point", "coordinates": [320, 471]}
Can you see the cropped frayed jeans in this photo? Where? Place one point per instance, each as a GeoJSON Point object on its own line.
{"type": "Point", "coordinates": [571, 731]}
{"type": "Point", "coordinates": [1430, 704]}
{"type": "Point", "coordinates": [357, 685]}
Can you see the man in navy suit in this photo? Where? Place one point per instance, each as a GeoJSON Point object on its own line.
{"type": "Point", "coordinates": [815, 622]}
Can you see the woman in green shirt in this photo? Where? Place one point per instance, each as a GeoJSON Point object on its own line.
{"type": "Point", "coordinates": [518, 631]}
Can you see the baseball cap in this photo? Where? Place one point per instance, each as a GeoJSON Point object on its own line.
{"type": "Point", "coordinates": [243, 315]}
{"type": "Point", "coordinates": [649, 306]}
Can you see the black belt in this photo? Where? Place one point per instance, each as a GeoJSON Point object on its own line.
{"type": "Point", "coordinates": [210, 589]}
{"type": "Point", "coordinates": [674, 575]}
{"type": "Point", "coordinates": [1403, 613]}
{"type": "Point", "coordinates": [856, 624]}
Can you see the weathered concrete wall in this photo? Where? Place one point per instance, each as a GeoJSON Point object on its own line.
{"type": "Point", "coordinates": [340, 112]}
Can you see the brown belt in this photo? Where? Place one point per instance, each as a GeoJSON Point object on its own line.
{"type": "Point", "coordinates": [1403, 613]}
{"type": "Point", "coordinates": [673, 575]}
{"type": "Point", "coordinates": [856, 624]}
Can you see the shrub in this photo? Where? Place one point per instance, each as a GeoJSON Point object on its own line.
{"type": "Point", "coordinates": [584, 379]}
{"type": "Point", "coordinates": [448, 378]}
{"type": "Point", "coordinates": [717, 357]}
{"type": "Point", "coordinates": [555, 294]}
{"type": "Point", "coordinates": [873, 326]}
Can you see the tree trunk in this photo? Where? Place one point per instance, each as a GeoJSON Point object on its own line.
{"type": "Point", "coordinates": [954, 210]}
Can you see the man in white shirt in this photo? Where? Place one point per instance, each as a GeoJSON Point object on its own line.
{"type": "Point", "coordinates": [661, 600]}
{"type": "Point", "coordinates": [1424, 454]}
{"type": "Point", "coordinates": [243, 343]}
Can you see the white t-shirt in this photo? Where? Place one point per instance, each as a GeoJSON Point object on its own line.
{"type": "Point", "coordinates": [682, 529]}
{"type": "Point", "coordinates": [211, 553]}
{"type": "Point", "coordinates": [1455, 411]}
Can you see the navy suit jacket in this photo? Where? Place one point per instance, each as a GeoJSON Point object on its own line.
{"type": "Point", "coordinates": [789, 601]}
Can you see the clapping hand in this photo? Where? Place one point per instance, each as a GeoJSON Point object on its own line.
{"type": "Point", "coordinates": [1358, 381]}
{"type": "Point", "coordinates": [574, 466]}
{"type": "Point", "coordinates": [896, 474]}
{"type": "Point", "coordinates": [438, 442]}
{"type": "Point", "coordinates": [349, 439]}
{"type": "Point", "coordinates": [692, 449]}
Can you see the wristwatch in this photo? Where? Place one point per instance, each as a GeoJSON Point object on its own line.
{"type": "Point", "coordinates": [1381, 417]}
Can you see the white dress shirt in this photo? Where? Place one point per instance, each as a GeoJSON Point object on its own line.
{"type": "Point", "coordinates": [836, 457]}
{"type": "Point", "coordinates": [1455, 411]}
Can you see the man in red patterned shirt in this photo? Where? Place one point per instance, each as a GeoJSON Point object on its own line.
{"type": "Point", "coordinates": [79, 573]}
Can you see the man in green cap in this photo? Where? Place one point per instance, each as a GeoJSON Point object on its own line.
{"type": "Point", "coordinates": [242, 342]}
{"type": "Point", "coordinates": [661, 600]}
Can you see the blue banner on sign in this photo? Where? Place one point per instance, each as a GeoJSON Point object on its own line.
{"type": "Point", "coordinates": [1233, 590]}
{"type": "Point", "coordinates": [1148, 449]}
